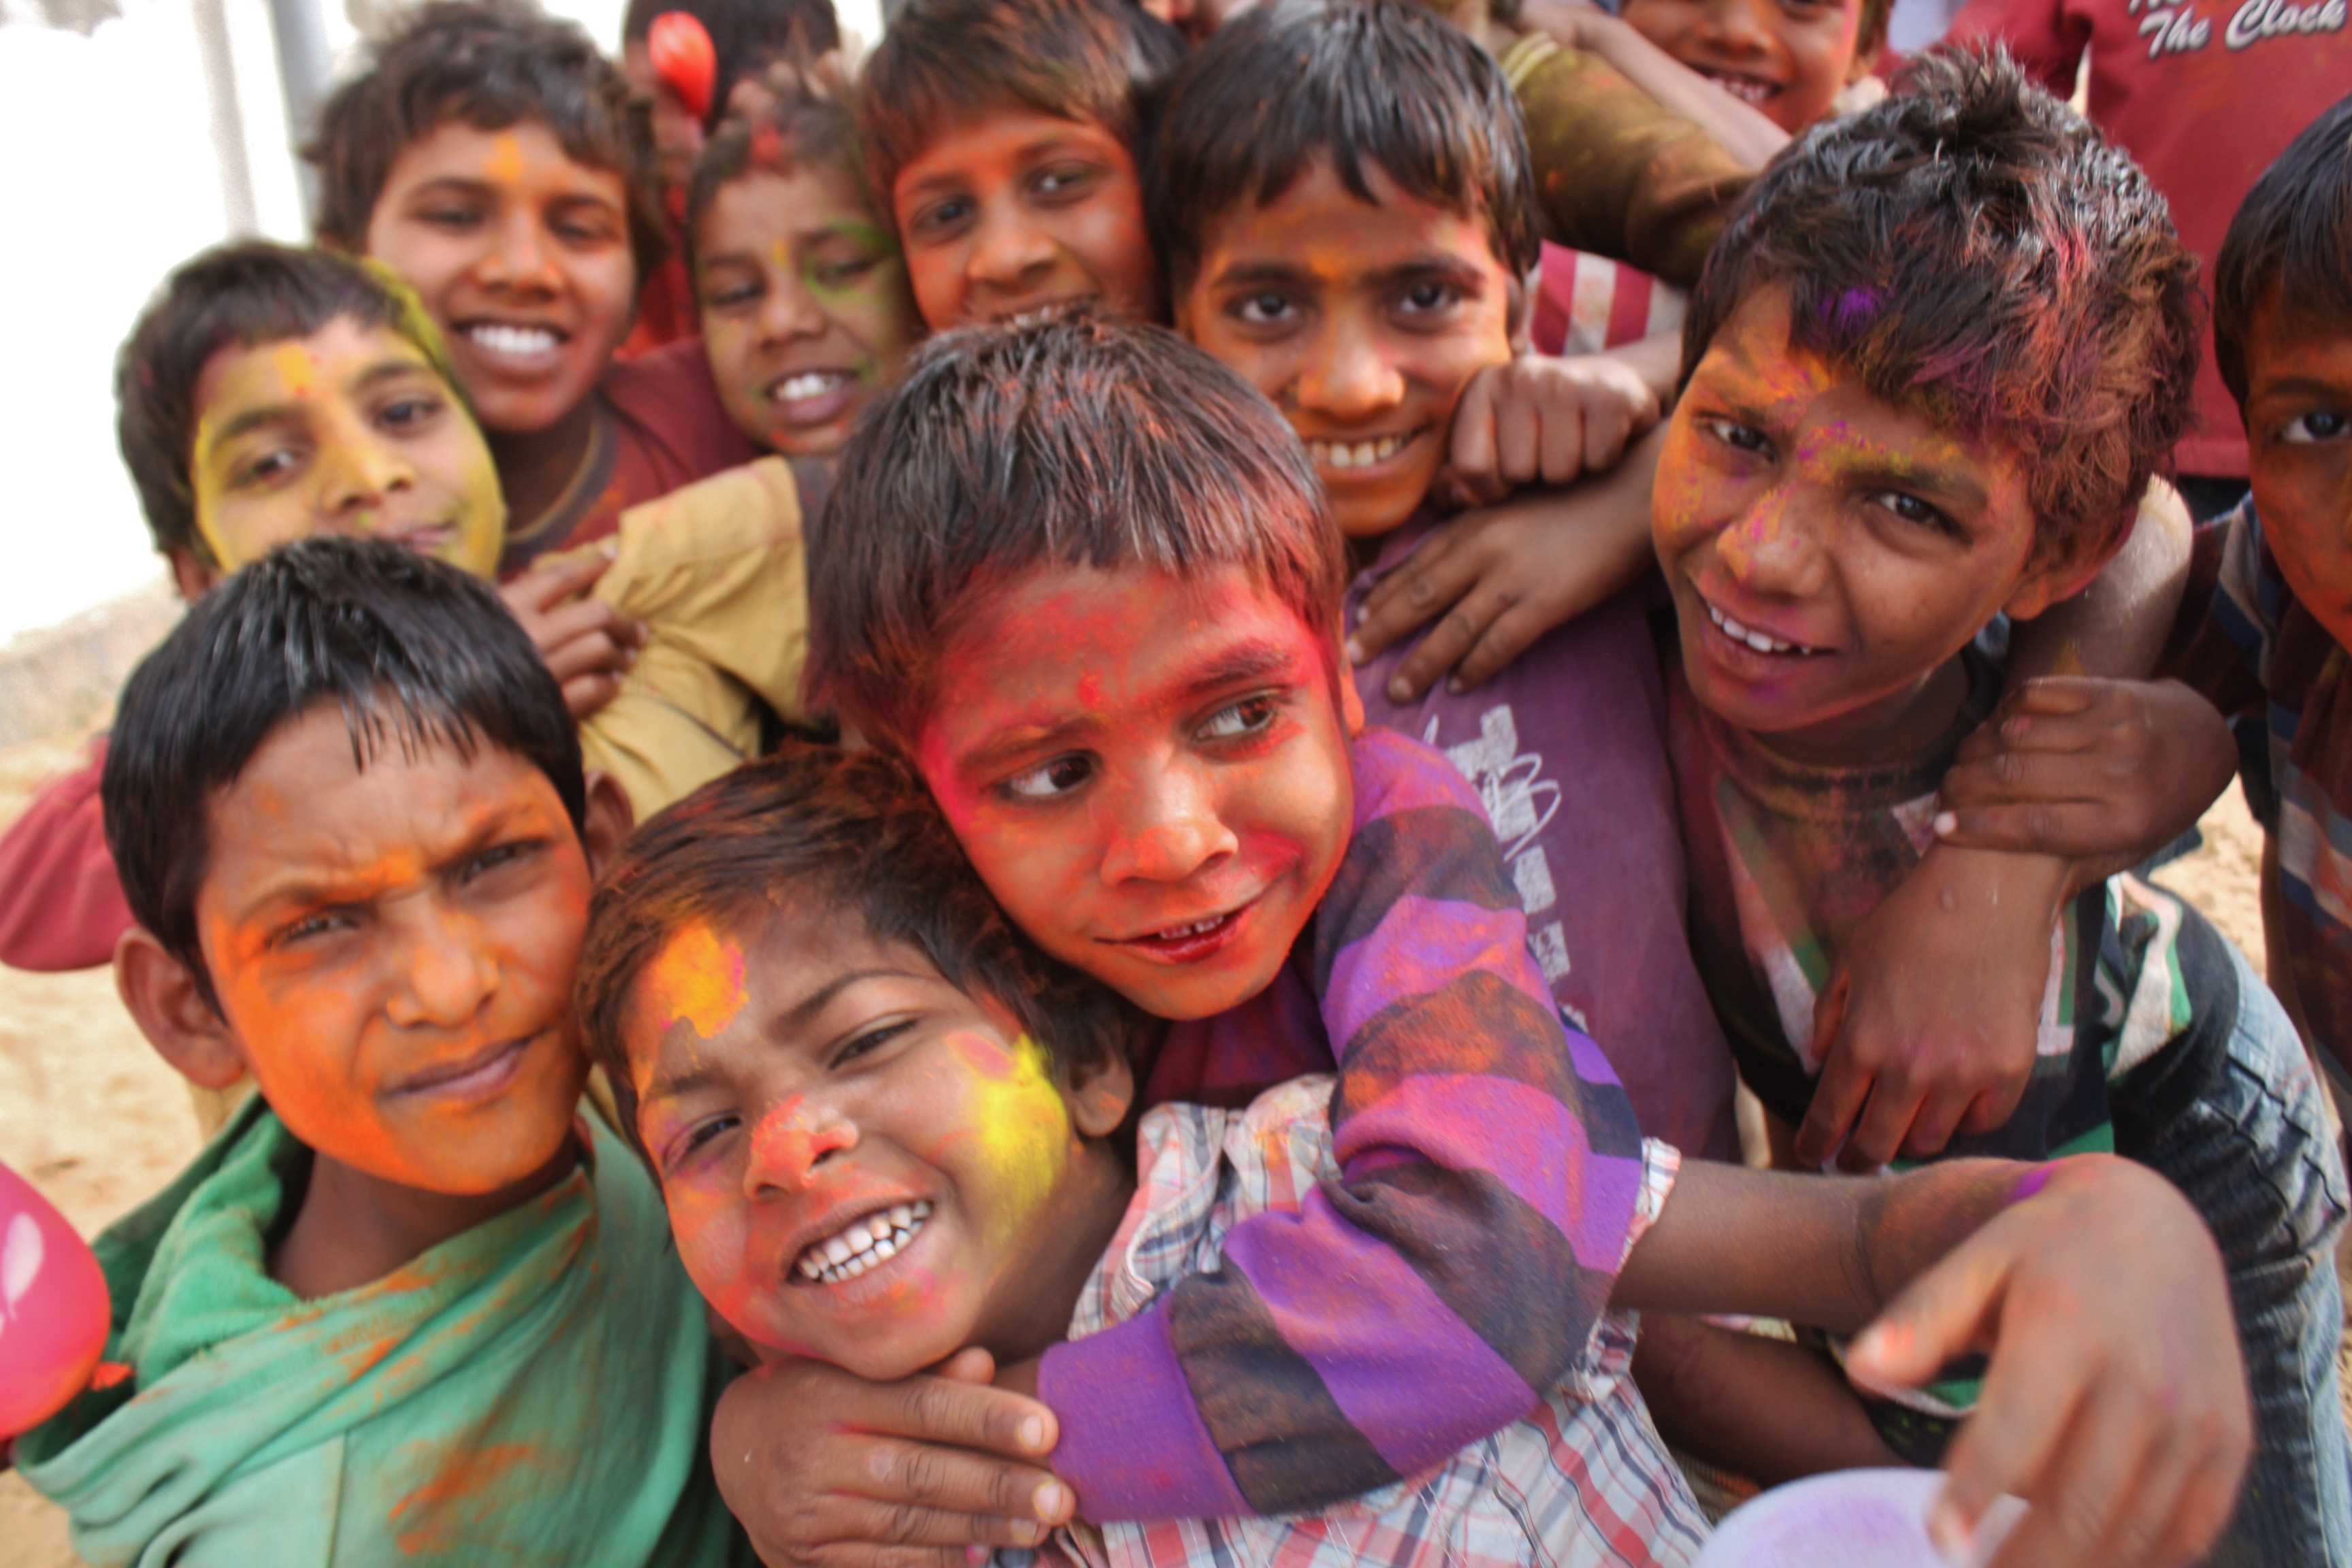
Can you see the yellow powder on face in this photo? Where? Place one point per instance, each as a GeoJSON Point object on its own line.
{"type": "Point", "coordinates": [1018, 1120]}
{"type": "Point", "coordinates": [699, 978]}
{"type": "Point", "coordinates": [295, 369]}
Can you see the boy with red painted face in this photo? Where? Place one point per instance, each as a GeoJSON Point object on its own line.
{"type": "Point", "coordinates": [487, 156]}
{"type": "Point", "coordinates": [1898, 423]}
{"type": "Point", "coordinates": [349, 810]}
{"type": "Point", "coordinates": [1110, 652]}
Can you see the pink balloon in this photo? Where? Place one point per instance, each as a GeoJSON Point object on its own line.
{"type": "Point", "coordinates": [53, 1308]}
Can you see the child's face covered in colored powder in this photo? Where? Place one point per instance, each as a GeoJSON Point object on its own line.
{"type": "Point", "coordinates": [805, 312]}
{"type": "Point", "coordinates": [348, 431]}
{"type": "Point", "coordinates": [1150, 774]}
{"type": "Point", "coordinates": [2299, 435]}
{"type": "Point", "coordinates": [1789, 58]}
{"type": "Point", "coordinates": [1012, 209]}
{"type": "Point", "coordinates": [1830, 554]}
{"type": "Point", "coordinates": [393, 949]}
{"type": "Point", "coordinates": [521, 255]}
{"type": "Point", "coordinates": [862, 1163]}
{"type": "Point", "coordinates": [1363, 322]}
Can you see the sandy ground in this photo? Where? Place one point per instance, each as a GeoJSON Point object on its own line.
{"type": "Point", "coordinates": [98, 1122]}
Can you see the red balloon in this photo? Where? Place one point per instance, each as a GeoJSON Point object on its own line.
{"type": "Point", "coordinates": [53, 1308]}
{"type": "Point", "coordinates": [684, 58]}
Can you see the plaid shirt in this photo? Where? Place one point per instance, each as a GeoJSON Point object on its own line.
{"type": "Point", "coordinates": [1582, 1479]}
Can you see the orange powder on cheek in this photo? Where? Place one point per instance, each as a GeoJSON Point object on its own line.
{"type": "Point", "coordinates": [697, 979]}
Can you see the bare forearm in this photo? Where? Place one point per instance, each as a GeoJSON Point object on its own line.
{"type": "Point", "coordinates": [1765, 1409]}
{"type": "Point", "coordinates": [1827, 1251]}
{"type": "Point", "coordinates": [1740, 131]}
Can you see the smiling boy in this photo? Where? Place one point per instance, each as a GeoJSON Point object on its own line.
{"type": "Point", "coordinates": [1790, 58]}
{"type": "Point", "coordinates": [487, 156]}
{"type": "Point", "coordinates": [1898, 423]}
{"type": "Point", "coordinates": [348, 808]}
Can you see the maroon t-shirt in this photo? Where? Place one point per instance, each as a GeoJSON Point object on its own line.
{"type": "Point", "coordinates": [60, 904]}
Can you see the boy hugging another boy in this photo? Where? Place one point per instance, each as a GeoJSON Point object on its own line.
{"type": "Point", "coordinates": [1931, 365]}
{"type": "Point", "coordinates": [1170, 792]}
{"type": "Point", "coordinates": [409, 1304]}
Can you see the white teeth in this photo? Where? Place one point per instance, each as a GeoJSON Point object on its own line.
{"type": "Point", "coordinates": [1362, 455]}
{"type": "Point", "coordinates": [1195, 929]}
{"type": "Point", "coordinates": [814, 384]}
{"type": "Point", "coordinates": [863, 1244]}
{"type": "Point", "coordinates": [521, 342]}
{"type": "Point", "coordinates": [1753, 638]}
{"type": "Point", "coordinates": [1746, 88]}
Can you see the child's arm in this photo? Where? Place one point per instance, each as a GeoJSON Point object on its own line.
{"type": "Point", "coordinates": [1765, 1409]}
{"type": "Point", "coordinates": [586, 644]}
{"type": "Point", "coordinates": [1744, 133]}
{"type": "Point", "coordinates": [1928, 1025]}
{"type": "Point", "coordinates": [2115, 1400]}
{"type": "Point", "coordinates": [1502, 576]}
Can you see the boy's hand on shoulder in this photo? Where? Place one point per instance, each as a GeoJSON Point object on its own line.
{"type": "Point", "coordinates": [2102, 772]}
{"type": "Point", "coordinates": [2115, 1401]}
{"type": "Point", "coordinates": [587, 645]}
{"type": "Point", "coordinates": [1543, 420]}
{"type": "Point", "coordinates": [1930, 1024]}
{"type": "Point", "coordinates": [824, 1468]}
{"type": "Point", "coordinates": [1501, 577]}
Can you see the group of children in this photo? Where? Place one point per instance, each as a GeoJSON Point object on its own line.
{"type": "Point", "coordinates": [1172, 880]}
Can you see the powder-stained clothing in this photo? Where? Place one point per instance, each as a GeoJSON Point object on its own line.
{"type": "Point", "coordinates": [1617, 174]}
{"type": "Point", "coordinates": [1489, 1165]}
{"type": "Point", "coordinates": [534, 1391]}
{"type": "Point", "coordinates": [1787, 860]}
{"type": "Point", "coordinates": [717, 572]}
{"type": "Point", "coordinates": [2249, 644]}
{"type": "Point", "coordinates": [2203, 94]}
{"type": "Point", "coordinates": [659, 425]}
{"type": "Point", "coordinates": [1566, 747]}
{"type": "Point", "coordinates": [1581, 1478]}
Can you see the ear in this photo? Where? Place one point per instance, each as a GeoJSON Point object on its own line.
{"type": "Point", "coordinates": [190, 575]}
{"type": "Point", "coordinates": [610, 819]}
{"type": "Point", "coordinates": [170, 1009]}
{"type": "Point", "coordinates": [1520, 315]}
{"type": "Point", "coordinates": [1100, 1094]}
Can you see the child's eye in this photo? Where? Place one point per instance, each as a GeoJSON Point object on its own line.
{"type": "Point", "coordinates": [265, 467]}
{"type": "Point", "coordinates": [451, 215]}
{"type": "Point", "coordinates": [409, 413]}
{"type": "Point", "coordinates": [307, 927]}
{"type": "Point", "coordinates": [1263, 309]}
{"type": "Point", "coordinates": [1250, 716]}
{"type": "Point", "coordinates": [1429, 298]}
{"type": "Point", "coordinates": [1048, 780]}
{"type": "Point", "coordinates": [1065, 182]}
{"type": "Point", "coordinates": [840, 274]}
{"type": "Point", "coordinates": [872, 1040]}
{"type": "Point", "coordinates": [943, 218]}
{"type": "Point", "coordinates": [697, 1136]}
{"type": "Point", "coordinates": [2320, 424]}
{"type": "Point", "coordinates": [496, 855]}
{"type": "Point", "coordinates": [1912, 510]}
{"type": "Point", "coordinates": [1739, 437]}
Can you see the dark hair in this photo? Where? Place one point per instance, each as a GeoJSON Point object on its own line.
{"type": "Point", "coordinates": [492, 64]}
{"type": "Point", "coordinates": [1059, 441]}
{"type": "Point", "coordinates": [831, 835]}
{"type": "Point", "coordinates": [2293, 233]}
{"type": "Point", "coordinates": [809, 125]}
{"type": "Point", "coordinates": [1384, 81]}
{"type": "Point", "coordinates": [1097, 60]}
{"type": "Point", "coordinates": [1973, 248]}
{"type": "Point", "coordinates": [236, 296]}
{"type": "Point", "coordinates": [413, 651]}
{"type": "Point", "coordinates": [745, 35]}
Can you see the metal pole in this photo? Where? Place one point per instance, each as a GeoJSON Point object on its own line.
{"type": "Point", "coordinates": [305, 67]}
{"type": "Point", "coordinates": [238, 205]}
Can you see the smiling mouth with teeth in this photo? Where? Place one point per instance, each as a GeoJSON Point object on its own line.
{"type": "Point", "coordinates": [1751, 637]}
{"type": "Point", "coordinates": [521, 342]}
{"type": "Point", "coordinates": [1343, 455]}
{"type": "Point", "coordinates": [1748, 89]}
{"type": "Point", "coordinates": [863, 1244]}
{"type": "Point", "coordinates": [809, 384]}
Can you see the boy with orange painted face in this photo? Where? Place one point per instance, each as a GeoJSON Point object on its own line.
{"type": "Point", "coordinates": [1900, 422]}
{"type": "Point", "coordinates": [1169, 789]}
{"type": "Point", "coordinates": [487, 156]}
{"type": "Point", "coordinates": [350, 815]}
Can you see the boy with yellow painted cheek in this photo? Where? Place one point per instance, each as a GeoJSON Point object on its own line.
{"type": "Point", "coordinates": [1897, 426]}
{"type": "Point", "coordinates": [349, 809]}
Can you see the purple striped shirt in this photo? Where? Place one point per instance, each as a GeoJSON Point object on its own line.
{"type": "Point", "coordinates": [1490, 1164]}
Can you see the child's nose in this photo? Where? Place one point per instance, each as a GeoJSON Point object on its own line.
{"type": "Point", "coordinates": [1166, 834]}
{"type": "Point", "coordinates": [1350, 378]}
{"type": "Point", "coordinates": [789, 1143]}
{"type": "Point", "coordinates": [1010, 255]}
{"type": "Point", "coordinates": [518, 257]}
{"type": "Point", "coordinates": [791, 309]}
{"type": "Point", "coordinates": [1775, 548]}
{"type": "Point", "coordinates": [358, 473]}
{"type": "Point", "coordinates": [445, 977]}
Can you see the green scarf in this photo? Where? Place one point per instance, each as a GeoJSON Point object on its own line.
{"type": "Point", "coordinates": [536, 1390]}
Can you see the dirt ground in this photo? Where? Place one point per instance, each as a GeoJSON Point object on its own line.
{"type": "Point", "coordinates": [98, 1122]}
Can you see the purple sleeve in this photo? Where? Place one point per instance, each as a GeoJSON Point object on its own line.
{"type": "Point", "coordinates": [1490, 1166]}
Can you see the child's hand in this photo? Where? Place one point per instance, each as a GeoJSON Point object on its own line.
{"type": "Point", "coordinates": [2104, 772]}
{"type": "Point", "coordinates": [587, 645]}
{"type": "Point", "coordinates": [1541, 420]}
{"type": "Point", "coordinates": [1502, 576]}
{"type": "Point", "coordinates": [824, 1467]}
{"type": "Point", "coordinates": [1929, 1025]}
{"type": "Point", "coordinates": [2115, 1402]}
